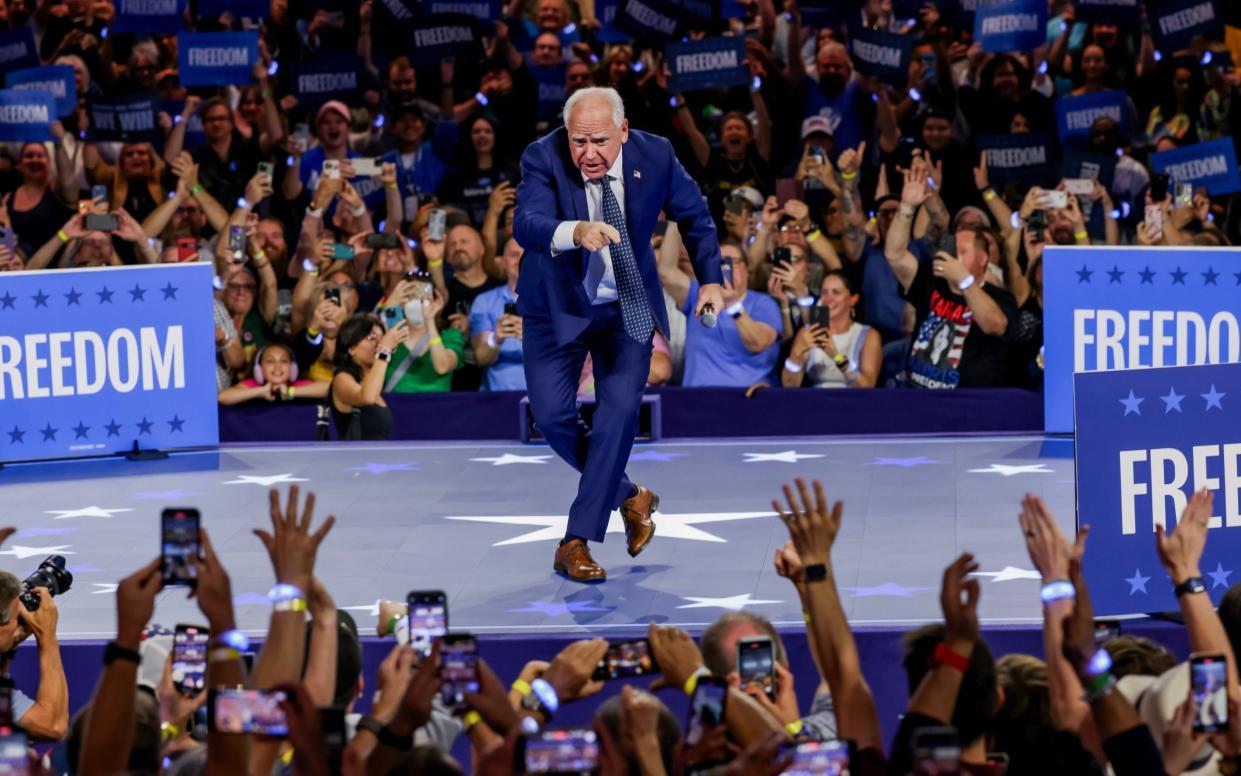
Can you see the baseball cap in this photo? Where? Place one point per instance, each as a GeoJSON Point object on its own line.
{"type": "Point", "coordinates": [334, 106]}
{"type": "Point", "coordinates": [749, 194]}
{"type": "Point", "coordinates": [812, 124]}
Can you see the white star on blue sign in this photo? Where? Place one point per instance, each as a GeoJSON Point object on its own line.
{"type": "Point", "coordinates": [1137, 582]}
{"type": "Point", "coordinates": [1172, 401]}
{"type": "Point", "coordinates": [1132, 404]}
{"type": "Point", "coordinates": [1219, 577]}
{"type": "Point", "coordinates": [1213, 398]}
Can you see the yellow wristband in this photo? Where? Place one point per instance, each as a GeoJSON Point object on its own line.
{"type": "Point", "coordinates": [522, 687]}
{"type": "Point", "coordinates": [168, 731]}
{"type": "Point", "coordinates": [806, 616]}
{"type": "Point", "coordinates": [391, 185]}
{"type": "Point", "coordinates": [313, 333]}
{"type": "Point", "coordinates": [814, 235]}
{"type": "Point", "coordinates": [223, 655]}
{"type": "Point", "coordinates": [292, 392]}
{"type": "Point", "coordinates": [793, 728]}
{"type": "Point", "coordinates": [1080, 234]}
{"type": "Point", "coordinates": [61, 234]}
{"type": "Point", "coordinates": [691, 683]}
{"type": "Point", "coordinates": [988, 195]}
{"type": "Point", "coordinates": [435, 263]}
{"type": "Point", "coordinates": [291, 605]}
{"type": "Point", "coordinates": [848, 175]}
{"type": "Point", "coordinates": [471, 719]}
{"type": "Point", "coordinates": [437, 341]}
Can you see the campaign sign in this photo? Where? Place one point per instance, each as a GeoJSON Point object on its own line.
{"type": "Point", "coordinates": [435, 38]}
{"type": "Point", "coordinates": [1083, 164]}
{"type": "Point", "coordinates": [1027, 157]}
{"type": "Point", "coordinates": [1110, 308]}
{"type": "Point", "coordinates": [1126, 12]}
{"type": "Point", "coordinates": [149, 16]}
{"type": "Point", "coordinates": [126, 118]}
{"type": "Point", "coordinates": [398, 10]}
{"type": "Point", "coordinates": [709, 63]}
{"type": "Point", "coordinates": [882, 54]}
{"type": "Point", "coordinates": [550, 83]}
{"type": "Point", "coordinates": [217, 58]}
{"type": "Point", "coordinates": [653, 20]}
{"type": "Point", "coordinates": [1175, 23]}
{"type": "Point", "coordinates": [94, 360]}
{"type": "Point", "coordinates": [254, 9]}
{"type": "Point", "coordinates": [17, 49]}
{"type": "Point", "coordinates": [1074, 115]}
{"type": "Point", "coordinates": [1010, 25]}
{"type": "Point", "coordinates": [56, 80]}
{"type": "Point", "coordinates": [1146, 440]}
{"type": "Point", "coordinates": [605, 12]}
{"type": "Point", "coordinates": [483, 10]}
{"type": "Point", "coordinates": [1212, 164]}
{"type": "Point", "coordinates": [327, 77]}
{"type": "Point", "coordinates": [26, 115]}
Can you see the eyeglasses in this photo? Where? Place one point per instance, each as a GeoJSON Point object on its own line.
{"type": "Point", "coordinates": [188, 211]}
{"type": "Point", "coordinates": [240, 287]}
{"type": "Point", "coordinates": [374, 336]}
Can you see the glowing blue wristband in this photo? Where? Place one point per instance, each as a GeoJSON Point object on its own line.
{"type": "Point", "coordinates": [481, 98]}
{"type": "Point", "coordinates": [1058, 590]}
{"type": "Point", "coordinates": [284, 592]}
{"type": "Point", "coordinates": [235, 639]}
{"type": "Point", "coordinates": [1100, 663]}
{"type": "Point", "coordinates": [547, 694]}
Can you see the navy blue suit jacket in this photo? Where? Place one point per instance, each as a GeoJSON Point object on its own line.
{"type": "Point", "coordinates": [552, 191]}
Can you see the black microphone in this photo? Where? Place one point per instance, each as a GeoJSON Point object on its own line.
{"type": "Point", "coordinates": [708, 315]}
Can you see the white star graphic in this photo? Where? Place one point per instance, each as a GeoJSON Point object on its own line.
{"type": "Point", "coordinates": [508, 458]}
{"type": "Point", "coordinates": [1009, 471]}
{"type": "Point", "coordinates": [668, 526]}
{"type": "Point", "coordinates": [91, 511]}
{"type": "Point", "coordinates": [733, 602]}
{"type": "Point", "coordinates": [1008, 574]}
{"type": "Point", "coordinates": [788, 456]}
{"type": "Point", "coordinates": [104, 588]}
{"type": "Point", "coordinates": [21, 552]}
{"type": "Point", "coordinates": [265, 481]}
{"type": "Point", "coordinates": [371, 609]}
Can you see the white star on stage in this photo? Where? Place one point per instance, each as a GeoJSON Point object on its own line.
{"type": "Point", "coordinates": [1009, 471]}
{"type": "Point", "coordinates": [22, 552]}
{"type": "Point", "coordinates": [372, 609]}
{"type": "Point", "coordinates": [733, 602]}
{"type": "Point", "coordinates": [508, 458]}
{"type": "Point", "coordinates": [788, 456]}
{"type": "Point", "coordinates": [104, 588]}
{"type": "Point", "coordinates": [1008, 574]}
{"type": "Point", "coordinates": [91, 511]}
{"type": "Point", "coordinates": [668, 526]}
{"type": "Point", "coordinates": [265, 481]}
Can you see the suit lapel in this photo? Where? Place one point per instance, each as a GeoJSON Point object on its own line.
{"type": "Point", "coordinates": [631, 179]}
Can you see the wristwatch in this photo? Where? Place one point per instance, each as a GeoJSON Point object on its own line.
{"type": "Point", "coordinates": [115, 651]}
{"type": "Point", "coordinates": [1191, 585]}
{"type": "Point", "coordinates": [815, 572]}
{"type": "Point", "coordinates": [370, 723]}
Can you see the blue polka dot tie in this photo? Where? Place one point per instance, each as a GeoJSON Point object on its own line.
{"type": "Point", "coordinates": [635, 310]}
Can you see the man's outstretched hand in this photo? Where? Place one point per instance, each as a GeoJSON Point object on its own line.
{"type": "Point", "coordinates": [594, 235]}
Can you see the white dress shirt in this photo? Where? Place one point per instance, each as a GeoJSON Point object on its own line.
{"type": "Point", "coordinates": [600, 282]}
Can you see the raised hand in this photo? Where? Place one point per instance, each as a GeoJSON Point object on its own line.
{"type": "Point", "coordinates": [1181, 552]}
{"type": "Point", "coordinates": [676, 653]}
{"type": "Point", "coordinates": [214, 589]}
{"type": "Point", "coordinates": [291, 545]}
{"type": "Point", "coordinates": [1049, 550]}
{"type": "Point", "coordinates": [135, 602]}
{"type": "Point", "coordinates": [982, 181]}
{"type": "Point", "coordinates": [958, 598]}
{"type": "Point", "coordinates": [570, 671]}
{"type": "Point", "coordinates": [812, 524]}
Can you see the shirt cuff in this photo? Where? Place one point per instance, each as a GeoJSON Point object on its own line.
{"type": "Point", "coordinates": [562, 238]}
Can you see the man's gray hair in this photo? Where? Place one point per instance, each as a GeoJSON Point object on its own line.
{"type": "Point", "coordinates": [592, 93]}
{"type": "Point", "coordinates": [10, 588]}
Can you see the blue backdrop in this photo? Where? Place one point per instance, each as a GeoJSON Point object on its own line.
{"type": "Point", "coordinates": [1122, 308]}
{"type": "Point", "coordinates": [93, 360]}
{"type": "Point", "coordinates": [1146, 439]}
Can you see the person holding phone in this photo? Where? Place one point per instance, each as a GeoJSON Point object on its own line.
{"type": "Point", "coordinates": [495, 328]}
{"type": "Point", "coordinates": [834, 350]}
{"type": "Point", "coordinates": [363, 352]}
{"type": "Point", "coordinates": [424, 361]}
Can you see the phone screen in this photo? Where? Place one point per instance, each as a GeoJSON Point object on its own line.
{"type": "Point", "coordinates": [1159, 187]}
{"type": "Point", "coordinates": [1208, 676]}
{"type": "Point", "coordinates": [237, 240]}
{"type": "Point", "coordinates": [342, 252]}
{"type": "Point", "coordinates": [101, 222]}
{"type": "Point", "coordinates": [99, 193]}
{"type": "Point", "coordinates": [756, 661]}
{"type": "Point", "coordinates": [186, 248]}
{"type": "Point", "coordinates": [626, 659]}
{"type": "Point", "coordinates": [332, 295]}
{"type": "Point", "coordinates": [726, 269]}
{"type": "Point", "coordinates": [820, 315]}
{"type": "Point", "coordinates": [706, 708]}
{"type": "Point", "coordinates": [14, 758]}
{"type": "Point", "coordinates": [266, 168]}
{"type": "Point", "coordinates": [458, 669]}
{"type": "Point", "coordinates": [189, 658]}
{"type": "Point", "coordinates": [561, 751]}
{"type": "Point", "coordinates": [242, 710]}
{"type": "Point", "coordinates": [428, 619]}
{"type": "Point", "coordinates": [179, 546]}
{"type": "Point", "coordinates": [819, 758]}
{"type": "Point", "coordinates": [937, 751]}
{"type": "Point", "coordinates": [383, 240]}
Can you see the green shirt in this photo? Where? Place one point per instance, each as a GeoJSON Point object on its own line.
{"type": "Point", "coordinates": [421, 376]}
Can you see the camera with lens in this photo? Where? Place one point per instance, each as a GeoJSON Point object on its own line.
{"type": "Point", "coordinates": [50, 574]}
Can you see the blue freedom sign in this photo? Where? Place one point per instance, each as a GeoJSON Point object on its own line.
{"type": "Point", "coordinates": [18, 50]}
{"type": "Point", "coordinates": [1027, 157]}
{"type": "Point", "coordinates": [217, 58]}
{"type": "Point", "coordinates": [1175, 23]}
{"type": "Point", "coordinates": [1212, 164]}
{"type": "Point", "coordinates": [56, 80]}
{"type": "Point", "coordinates": [149, 16]}
{"type": "Point", "coordinates": [654, 20]}
{"type": "Point", "coordinates": [1010, 25]}
{"type": "Point", "coordinates": [26, 115]}
{"type": "Point", "coordinates": [483, 10]}
{"type": "Point", "coordinates": [709, 63]}
{"type": "Point", "coordinates": [435, 38]}
{"type": "Point", "coordinates": [327, 77]}
{"type": "Point", "coordinates": [881, 54]}
{"type": "Point", "coordinates": [123, 118]}
{"type": "Point", "coordinates": [94, 360]}
{"type": "Point", "coordinates": [1109, 308]}
{"type": "Point", "coordinates": [1083, 164]}
{"type": "Point", "coordinates": [1074, 115]}
{"type": "Point", "coordinates": [1146, 440]}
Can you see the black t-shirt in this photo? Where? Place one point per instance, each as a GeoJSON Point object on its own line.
{"type": "Point", "coordinates": [36, 226]}
{"type": "Point", "coordinates": [721, 177]}
{"type": "Point", "coordinates": [948, 350]}
{"type": "Point", "coordinates": [226, 179]}
{"type": "Point", "coordinates": [470, 187]}
{"type": "Point", "coordinates": [468, 377]}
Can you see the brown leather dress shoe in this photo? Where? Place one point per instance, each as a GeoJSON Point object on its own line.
{"type": "Point", "coordinates": [639, 528]}
{"type": "Point", "coordinates": [574, 561]}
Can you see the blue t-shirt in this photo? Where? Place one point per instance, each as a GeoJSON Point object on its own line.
{"type": "Point", "coordinates": [507, 373]}
{"type": "Point", "coordinates": [849, 113]}
{"type": "Point", "coordinates": [718, 357]}
{"type": "Point", "coordinates": [883, 299]}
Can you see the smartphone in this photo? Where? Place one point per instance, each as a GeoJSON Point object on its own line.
{"type": "Point", "coordinates": [99, 194]}
{"type": "Point", "coordinates": [706, 709]}
{"type": "Point", "coordinates": [187, 248]}
{"type": "Point", "coordinates": [819, 315]}
{"type": "Point", "coordinates": [332, 729]}
{"type": "Point", "coordinates": [1082, 187]}
{"type": "Point", "coordinates": [1184, 196]}
{"type": "Point", "coordinates": [818, 153]}
{"type": "Point", "coordinates": [928, 68]}
{"type": "Point", "coordinates": [787, 188]}
{"type": "Point", "coordinates": [428, 618]}
{"type": "Point", "coordinates": [566, 750]}
{"type": "Point", "coordinates": [626, 659]}
{"type": "Point", "coordinates": [244, 710]}
{"type": "Point", "coordinates": [102, 222]}
{"type": "Point", "coordinates": [1055, 199]}
{"type": "Point", "coordinates": [267, 168]}
{"type": "Point", "coordinates": [947, 243]}
{"type": "Point", "coordinates": [438, 224]}
{"type": "Point", "coordinates": [817, 758]}
{"type": "Point", "coordinates": [1154, 220]}
{"type": "Point", "coordinates": [301, 136]}
{"type": "Point", "coordinates": [1105, 630]}
{"type": "Point", "coordinates": [342, 252]}
{"type": "Point", "coordinates": [1159, 187]}
{"type": "Point", "coordinates": [189, 658]}
{"type": "Point", "coordinates": [365, 166]}
{"type": "Point", "coordinates": [1208, 687]}
{"type": "Point", "coordinates": [331, 169]}
{"type": "Point", "coordinates": [392, 316]}
{"type": "Point", "coordinates": [1037, 224]}
{"type": "Point", "coordinates": [8, 239]}
{"type": "Point", "coordinates": [756, 663]}
{"type": "Point", "coordinates": [14, 754]}
{"type": "Point", "coordinates": [726, 269]}
{"type": "Point", "coordinates": [510, 308]}
{"type": "Point", "coordinates": [458, 669]}
{"type": "Point", "coordinates": [383, 240]}
{"type": "Point", "coordinates": [237, 242]}
{"type": "Point", "coordinates": [937, 751]}
{"type": "Point", "coordinates": [735, 205]}
{"type": "Point", "coordinates": [332, 295]}
{"type": "Point", "coordinates": [179, 546]}
{"type": "Point", "coordinates": [782, 256]}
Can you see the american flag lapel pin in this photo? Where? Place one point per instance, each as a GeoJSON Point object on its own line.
{"type": "Point", "coordinates": [637, 173]}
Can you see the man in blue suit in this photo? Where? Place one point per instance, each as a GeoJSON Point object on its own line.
{"type": "Point", "coordinates": [589, 198]}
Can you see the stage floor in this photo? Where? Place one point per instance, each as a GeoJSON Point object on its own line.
{"type": "Point", "coordinates": [481, 521]}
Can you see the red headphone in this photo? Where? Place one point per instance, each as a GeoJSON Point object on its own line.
{"type": "Point", "coordinates": [258, 369]}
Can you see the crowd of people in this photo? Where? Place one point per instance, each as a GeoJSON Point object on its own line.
{"type": "Point", "coordinates": [869, 241]}
{"type": "Point", "coordinates": [1090, 703]}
